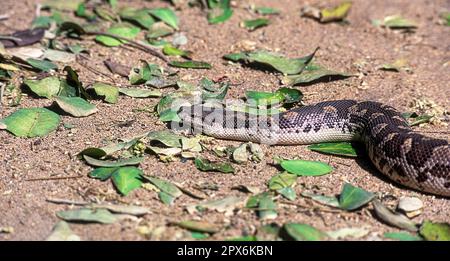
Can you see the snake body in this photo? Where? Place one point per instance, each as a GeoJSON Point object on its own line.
{"type": "Point", "coordinates": [406, 157]}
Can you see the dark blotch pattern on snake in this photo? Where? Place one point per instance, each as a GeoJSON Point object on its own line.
{"type": "Point", "coordinates": [409, 158]}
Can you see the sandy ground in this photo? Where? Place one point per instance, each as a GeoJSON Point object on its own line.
{"type": "Point", "coordinates": [354, 48]}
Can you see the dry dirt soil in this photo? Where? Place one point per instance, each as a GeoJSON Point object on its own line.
{"type": "Point", "coordinates": [357, 47]}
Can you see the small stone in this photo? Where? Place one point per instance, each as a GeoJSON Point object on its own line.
{"type": "Point", "coordinates": [179, 39]}
{"type": "Point", "coordinates": [412, 207]}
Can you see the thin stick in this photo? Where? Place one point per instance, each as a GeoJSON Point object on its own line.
{"type": "Point", "coordinates": [316, 207]}
{"type": "Point", "coordinates": [66, 201]}
{"type": "Point", "coordinates": [131, 42]}
{"type": "Point", "coordinates": [94, 70]}
{"type": "Point", "coordinates": [54, 178]}
{"type": "Point", "coordinates": [38, 10]}
{"type": "Point", "coordinates": [2, 90]}
{"type": "Point", "coordinates": [4, 17]}
{"type": "Point", "coordinates": [11, 38]}
{"type": "Point", "coordinates": [204, 4]}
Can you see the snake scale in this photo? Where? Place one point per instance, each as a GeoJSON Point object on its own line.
{"type": "Point", "coordinates": [406, 157]}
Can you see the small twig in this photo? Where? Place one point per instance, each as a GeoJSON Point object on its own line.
{"type": "Point", "coordinates": [66, 201]}
{"type": "Point", "coordinates": [38, 10]}
{"type": "Point", "coordinates": [131, 42]}
{"type": "Point", "coordinates": [204, 4]}
{"type": "Point", "coordinates": [54, 178]}
{"type": "Point", "coordinates": [93, 69]}
{"type": "Point", "coordinates": [420, 44]}
{"type": "Point", "coordinates": [11, 38]}
{"type": "Point", "coordinates": [2, 90]}
{"type": "Point", "coordinates": [316, 207]}
{"type": "Point", "coordinates": [4, 17]}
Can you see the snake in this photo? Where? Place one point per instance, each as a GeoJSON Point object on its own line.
{"type": "Point", "coordinates": [409, 158]}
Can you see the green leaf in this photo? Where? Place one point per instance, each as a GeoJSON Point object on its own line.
{"type": "Point", "coordinates": [325, 200]}
{"type": "Point", "coordinates": [425, 118]}
{"type": "Point", "coordinates": [303, 232]}
{"type": "Point", "coordinates": [337, 13]}
{"type": "Point", "coordinates": [290, 95]}
{"type": "Point", "coordinates": [159, 29]}
{"type": "Point", "coordinates": [169, 192]}
{"type": "Point", "coordinates": [396, 22]}
{"type": "Point", "coordinates": [267, 208]}
{"type": "Point", "coordinates": [311, 73]}
{"type": "Point", "coordinates": [306, 167]}
{"type": "Point", "coordinates": [83, 12]}
{"type": "Point", "coordinates": [59, 56]}
{"type": "Point", "coordinates": [206, 165]}
{"type": "Point", "coordinates": [396, 66]}
{"type": "Point", "coordinates": [71, 28]}
{"type": "Point", "coordinates": [76, 49]}
{"type": "Point", "coordinates": [47, 87]}
{"type": "Point", "coordinates": [247, 151]}
{"type": "Point", "coordinates": [72, 86]}
{"type": "Point", "coordinates": [140, 93]}
{"type": "Point", "coordinates": [139, 16]}
{"type": "Point", "coordinates": [142, 74]}
{"type": "Point", "coordinates": [227, 204]}
{"type": "Point", "coordinates": [235, 57]}
{"type": "Point", "coordinates": [169, 115]}
{"type": "Point", "coordinates": [166, 15]}
{"type": "Point", "coordinates": [31, 122]}
{"type": "Point", "coordinates": [62, 232]}
{"type": "Point", "coordinates": [280, 63]}
{"type": "Point", "coordinates": [75, 106]}
{"type": "Point", "coordinates": [199, 226]}
{"type": "Point", "coordinates": [129, 32]}
{"type": "Point", "coordinates": [243, 239]}
{"type": "Point", "coordinates": [110, 164]}
{"type": "Point", "coordinates": [111, 93]}
{"type": "Point", "coordinates": [277, 61]}
{"type": "Point", "coordinates": [352, 198]}
{"type": "Point", "coordinates": [219, 15]}
{"type": "Point", "coordinates": [106, 13]}
{"type": "Point", "coordinates": [88, 215]}
{"type": "Point", "coordinates": [282, 95]}
{"type": "Point", "coordinates": [190, 64]}
{"type": "Point", "coordinates": [402, 236]}
{"type": "Point", "coordinates": [93, 152]}
{"type": "Point", "coordinates": [282, 180]}
{"type": "Point", "coordinates": [113, 3]}
{"type": "Point", "coordinates": [213, 91]}
{"type": "Point", "coordinates": [256, 23]}
{"type": "Point", "coordinates": [102, 173]}
{"type": "Point", "coordinates": [42, 22]}
{"type": "Point", "coordinates": [288, 192]}
{"type": "Point", "coordinates": [42, 65]}
{"type": "Point", "coordinates": [348, 232]}
{"type": "Point", "coordinates": [165, 137]}
{"type": "Point", "coordinates": [199, 235]}
{"type": "Point", "coordinates": [266, 10]}
{"type": "Point", "coordinates": [162, 82]}
{"type": "Point", "coordinates": [171, 50]}
{"type": "Point", "coordinates": [263, 98]}
{"type": "Point", "coordinates": [446, 16]}
{"type": "Point", "coordinates": [335, 148]}
{"type": "Point", "coordinates": [127, 179]}
{"type": "Point", "coordinates": [62, 5]}
{"type": "Point", "coordinates": [435, 231]}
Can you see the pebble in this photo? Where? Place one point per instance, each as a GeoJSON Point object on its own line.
{"type": "Point", "coordinates": [412, 207]}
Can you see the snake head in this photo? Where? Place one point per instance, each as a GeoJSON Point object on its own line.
{"type": "Point", "coordinates": [199, 118]}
